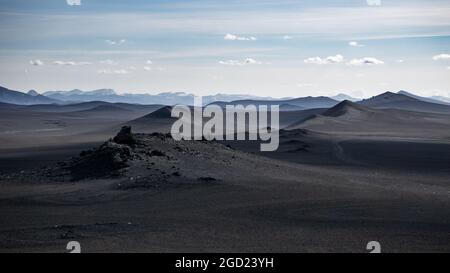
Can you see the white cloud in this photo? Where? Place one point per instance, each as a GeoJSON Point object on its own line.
{"type": "Point", "coordinates": [287, 37]}
{"type": "Point", "coordinates": [149, 68]}
{"type": "Point", "coordinates": [36, 62]}
{"type": "Point", "coordinates": [365, 61]}
{"type": "Point", "coordinates": [149, 62]}
{"type": "Point", "coordinates": [73, 2]}
{"type": "Point", "coordinates": [108, 62]}
{"type": "Point", "coordinates": [232, 37]}
{"type": "Point", "coordinates": [400, 61]}
{"type": "Point", "coordinates": [328, 60]}
{"type": "Point", "coordinates": [109, 71]}
{"type": "Point", "coordinates": [70, 63]}
{"type": "Point", "coordinates": [113, 42]}
{"type": "Point", "coordinates": [444, 57]}
{"type": "Point", "coordinates": [355, 44]}
{"type": "Point", "coordinates": [231, 62]}
{"type": "Point", "coordinates": [373, 2]}
{"type": "Point", "coordinates": [240, 63]}
{"type": "Point", "coordinates": [251, 61]}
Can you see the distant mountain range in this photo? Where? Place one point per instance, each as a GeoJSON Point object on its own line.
{"type": "Point", "coordinates": [15, 97]}
{"type": "Point", "coordinates": [342, 97]}
{"type": "Point", "coordinates": [168, 98]}
{"type": "Point", "coordinates": [402, 100]}
{"type": "Point", "coordinates": [287, 104]}
{"type": "Point", "coordinates": [441, 98]}
{"type": "Point", "coordinates": [435, 99]}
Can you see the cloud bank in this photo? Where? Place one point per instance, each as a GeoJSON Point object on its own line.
{"type": "Point", "coordinates": [328, 60]}
{"type": "Point", "coordinates": [36, 62]}
{"type": "Point", "coordinates": [232, 37]}
{"type": "Point", "coordinates": [365, 61]}
{"type": "Point", "coordinates": [355, 44]}
{"type": "Point", "coordinates": [70, 63]}
{"type": "Point", "coordinates": [442, 57]}
{"type": "Point", "coordinates": [248, 61]}
{"type": "Point", "coordinates": [113, 42]}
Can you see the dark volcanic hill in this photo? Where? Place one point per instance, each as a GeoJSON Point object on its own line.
{"type": "Point", "coordinates": [85, 106]}
{"type": "Point", "coordinates": [301, 103]}
{"type": "Point", "coordinates": [162, 117]}
{"type": "Point", "coordinates": [351, 118]}
{"type": "Point", "coordinates": [160, 120]}
{"type": "Point", "coordinates": [15, 97]}
{"type": "Point", "coordinates": [162, 113]}
{"type": "Point", "coordinates": [104, 109]}
{"type": "Point", "coordinates": [345, 108]}
{"type": "Point", "coordinates": [403, 102]}
{"type": "Point", "coordinates": [9, 106]}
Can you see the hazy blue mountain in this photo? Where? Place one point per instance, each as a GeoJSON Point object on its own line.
{"type": "Point", "coordinates": [298, 103]}
{"type": "Point", "coordinates": [33, 93]}
{"type": "Point", "coordinates": [168, 98]}
{"type": "Point", "coordinates": [20, 98]}
{"type": "Point", "coordinates": [77, 95]}
{"type": "Point", "coordinates": [441, 98]}
{"type": "Point", "coordinates": [432, 100]}
{"type": "Point", "coordinates": [343, 97]}
{"type": "Point", "coordinates": [404, 102]}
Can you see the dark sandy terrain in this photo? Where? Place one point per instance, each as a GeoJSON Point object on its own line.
{"type": "Point", "coordinates": [328, 188]}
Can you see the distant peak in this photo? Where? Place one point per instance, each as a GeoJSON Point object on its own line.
{"type": "Point", "coordinates": [104, 92]}
{"type": "Point", "coordinates": [347, 103]}
{"type": "Point", "coordinates": [342, 97]}
{"type": "Point", "coordinates": [387, 96]}
{"type": "Point", "coordinates": [388, 93]}
{"type": "Point", "coordinates": [164, 112]}
{"type": "Point", "coordinates": [344, 107]}
{"type": "Point", "coordinates": [401, 95]}
{"type": "Point", "coordinates": [33, 93]}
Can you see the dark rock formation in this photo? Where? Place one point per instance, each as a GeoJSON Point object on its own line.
{"type": "Point", "coordinates": [102, 162]}
{"type": "Point", "coordinates": [125, 137]}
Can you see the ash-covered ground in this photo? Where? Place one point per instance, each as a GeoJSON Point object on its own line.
{"type": "Point", "coordinates": [150, 193]}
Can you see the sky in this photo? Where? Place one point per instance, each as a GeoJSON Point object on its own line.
{"type": "Point", "coordinates": [277, 48]}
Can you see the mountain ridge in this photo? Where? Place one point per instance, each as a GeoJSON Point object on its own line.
{"type": "Point", "coordinates": [390, 100]}
{"type": "Point", "coordinates": [19, 98]}
{"type": "Point", "coordinates": [426, 99]}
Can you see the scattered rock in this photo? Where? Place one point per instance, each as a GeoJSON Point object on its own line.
{"type": "Point", "coordinates": [150, 182]}
{"type": "Point", "coordinates": [207, 179]}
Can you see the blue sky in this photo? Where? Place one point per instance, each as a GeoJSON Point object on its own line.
{"type": "Point", "coordinates": [268, 48]}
